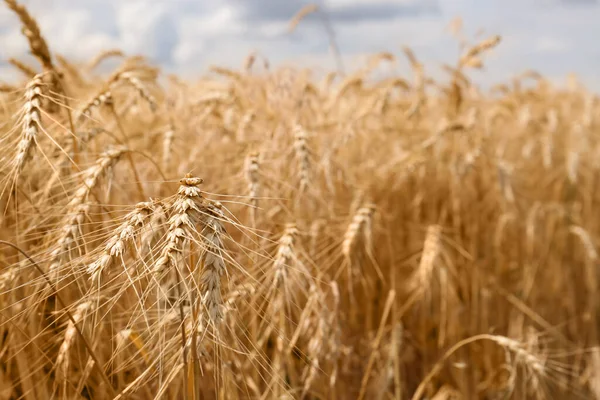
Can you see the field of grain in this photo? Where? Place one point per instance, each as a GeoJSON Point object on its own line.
{"type": "Point", "coordinates": [267, 234]}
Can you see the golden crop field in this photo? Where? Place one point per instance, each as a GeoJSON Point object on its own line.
{"type": "Point", "coordinates": [268, 234]}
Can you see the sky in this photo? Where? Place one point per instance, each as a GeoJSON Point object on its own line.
{"type": "Point", "coordinates": [554, 37]}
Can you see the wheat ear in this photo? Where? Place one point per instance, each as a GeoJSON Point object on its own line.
{"type": "Point", "coordinates": [24, 68]}
{"type": "Point", "coordinates": [62, 359]}
{"type": "Point", "coordinates": [431, 251]}
{"type": "Point", "coordinates": [252, 169]}
{"type": "Point", "coordinates": [117, 244]}
{"type": "Point", "coordinates": [103, 56]}
{"type": "Point", "coordinates": [186, 210]}
{"type": "Point", "coordinates": [37, 44]}
{"type": "Point", "coordinates": [91, 176]}
{"type": "Point", "coordinates": [302, 155]}
{"type": "Point", "coordinates": [103, 98]}
{"type": "Point", "coordinates": [169, 135]}
{"type": "Point", "coordinates": [154, 228]}
{"type": "Point", "coordinates": [531, 360]}
{"type": "Point", "coordinates": [213, 263]}
{"type": "Point", "coordinates": [285, 254]}
{"type": "Point", "coordinates": [361, 223]}
{"type": "Point", "coordinates": [142, 90]}
{"type": "Point", "coordinates": [77, 210]}
{"type": "Point", "coordinates": [32, 122]}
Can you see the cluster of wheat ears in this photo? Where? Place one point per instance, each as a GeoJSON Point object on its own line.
{"type": "Point", "coordinates": [262, 234]}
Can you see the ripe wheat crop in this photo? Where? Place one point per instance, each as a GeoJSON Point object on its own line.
{"type": "Point", "coordinates": [266, 233]}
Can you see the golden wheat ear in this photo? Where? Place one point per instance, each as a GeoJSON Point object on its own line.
{"type": "Point", "coordinates": [117, 244]}
{"type": "Point", "coordinates": [40, 50]}
{"type": "Point", "coordinates": [31, 123]}
{"type": "Point", "coordinates": [103, 55]}
{"type": "Point", "coordinates": [37, 43]}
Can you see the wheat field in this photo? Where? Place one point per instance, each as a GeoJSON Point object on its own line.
{"type": "Point", "coordinates": [264, 233]}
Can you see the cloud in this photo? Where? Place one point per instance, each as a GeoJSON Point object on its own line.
{"type": "Point", "coordinates": [382, 10]}
{"type": "Point", "coordinates": [186, 36]}
{"type": "Point", "coordinates": [337, 10]}
{"type": "Point", "coordinates": [265, 10]}
{"type": "Point", "coordinates": [149, 30]}
{"type": "Point", "coordinates": [551, 45]}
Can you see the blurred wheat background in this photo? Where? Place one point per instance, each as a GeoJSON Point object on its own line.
{"type": "Point", "coordinates": [260, 232]}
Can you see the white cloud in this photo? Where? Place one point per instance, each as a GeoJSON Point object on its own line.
{"type": "Point", "coordinates": [188, 35]}
{"type": "Point", "coordinates": [141, 27]}
{"type": "Point", "coordinates": [13, 44]}
{"type": "Point", "coordinates": [551, 45]}
{"type": "Point", "coordinates": [188, 51]}
{"type": "Point", "coordinates": [346, 3]}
